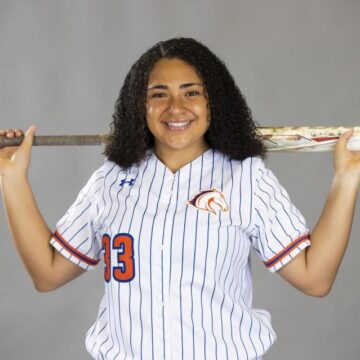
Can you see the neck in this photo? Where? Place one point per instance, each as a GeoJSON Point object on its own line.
{"type": "Point", "coordinates": [175, 159]}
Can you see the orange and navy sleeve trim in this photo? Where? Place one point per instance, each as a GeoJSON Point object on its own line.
{"type": "Point", "coordinates": [271, 263]}
{"type": "Point", "coordinates": [73, 251]}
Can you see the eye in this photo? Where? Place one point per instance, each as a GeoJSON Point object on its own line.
{"type": "Point", "coordinates": [192, 93]}
{"type": "Point", "coordinates": [158, 95]}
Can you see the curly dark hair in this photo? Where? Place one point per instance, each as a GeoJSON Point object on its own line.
{"type": "Point", "coordinates": [232, 129]}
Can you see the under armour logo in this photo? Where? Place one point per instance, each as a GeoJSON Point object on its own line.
{"type": "Point", "coordinates": [124, 181]}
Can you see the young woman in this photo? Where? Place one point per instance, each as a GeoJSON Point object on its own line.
{"type": "Point", "coordinates": [181, 199]}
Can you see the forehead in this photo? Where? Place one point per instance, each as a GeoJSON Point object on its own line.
{"type": "Point", "coordinates": [172, 70]}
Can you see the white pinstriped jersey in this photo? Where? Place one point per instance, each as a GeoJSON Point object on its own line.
{"type": "Point", "coordinates": [176, 255]}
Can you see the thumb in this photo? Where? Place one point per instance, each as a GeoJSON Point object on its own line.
{"type": "Point", "coordinates": [344, 138]}
{"type": "Point", "coordinates": [29, 137]}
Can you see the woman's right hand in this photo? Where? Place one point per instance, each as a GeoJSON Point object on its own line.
{"type": "Point", "coordinates": [15, 160]}
{"type": "Point", "coordinates": [47, 267]}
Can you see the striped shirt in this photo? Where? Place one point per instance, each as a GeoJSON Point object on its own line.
{"type": "Point", "coordinates": [176, 254]}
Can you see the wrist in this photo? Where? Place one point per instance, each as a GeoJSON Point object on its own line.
{"type": "Point", "coordinates": [349, 181]}
{"type": "Point", "coordinates": [13, 177]}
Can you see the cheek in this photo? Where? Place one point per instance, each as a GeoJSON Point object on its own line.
{"type": "Point", "coordinates": [152, 111]}
{"type": "Point", "coordinates": [202, 106]}
{"type": "Point", "coordinates": [203, 111]}
{"type": "Point", "coordinates": [149, 109]}
{"type": "Point", "coordinates": [151, 119]}
{"type": "Point", "coordinates": [149, 115]}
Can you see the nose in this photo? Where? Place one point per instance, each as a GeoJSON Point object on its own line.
{"type": "Point", "coordinates": [176, 104]}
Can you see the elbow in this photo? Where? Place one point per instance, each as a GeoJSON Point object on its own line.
{"type": "Point", "coordinates": [318, 291]}
{"type": "Point", "coordinates": [42, 289]}
{"type": "Point", "coordinates": [43, 286]}
{"type": "Point", "coordinates": [319, 294]}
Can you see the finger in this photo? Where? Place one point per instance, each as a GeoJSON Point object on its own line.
{"type": "Point", "coordinates": [9, 133]}
{"type": "Point", "coordinates": [19, 132]}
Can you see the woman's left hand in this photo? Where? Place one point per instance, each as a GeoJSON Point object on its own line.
{"type": "Point", "coordinates": [346, 162]}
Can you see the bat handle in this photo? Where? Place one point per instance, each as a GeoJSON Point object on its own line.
{"type": "Point", "coordinates": [5, 141]}
{"type": "Point", "coordinates": [56, 140]}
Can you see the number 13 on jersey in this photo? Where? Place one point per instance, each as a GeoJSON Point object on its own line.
{"type": "Point", "coordinates": [124, 270]}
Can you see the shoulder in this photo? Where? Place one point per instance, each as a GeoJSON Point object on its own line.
{"type": "Point", "coordinates": [110, 169]}
{"type": "Point", "coordinates": [113, 173]}
{"type": "Point", "coordinates": [101, 175]}
{"type": "Point", "coordinates": [252, 165]}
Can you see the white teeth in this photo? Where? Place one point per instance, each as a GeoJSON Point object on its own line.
{"type": "Point", "coordinates": [178, 124]}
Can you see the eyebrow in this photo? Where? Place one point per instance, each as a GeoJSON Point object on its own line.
{"type": "Point", "coordinates": [182, 86]}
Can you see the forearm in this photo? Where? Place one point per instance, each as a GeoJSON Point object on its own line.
{"type": "Point", "coordinates": [330, 236]}
{"type": "Point", "coordinates": [29, 230]}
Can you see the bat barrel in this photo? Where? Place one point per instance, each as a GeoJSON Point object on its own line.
{"type": "Point", "coordinates": [306, 139]}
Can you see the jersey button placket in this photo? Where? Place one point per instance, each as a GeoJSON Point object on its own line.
{"type": "Point", "coordinates": [157, 284]}
{"type": "Point", "coordinates": [170, 199]}
{"type": "Point", "coordinates": [161, 270]}
{"type": "Point", "coordinates": [168, 188]}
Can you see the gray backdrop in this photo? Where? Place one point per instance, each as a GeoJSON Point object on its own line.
{"type": "Point", "coordinates": [62, 64]}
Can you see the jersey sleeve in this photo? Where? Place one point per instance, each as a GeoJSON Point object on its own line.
{"type": "Point", "coordinates": [76, 236]}
{"type": "Point", "coordinates": [279, 229]}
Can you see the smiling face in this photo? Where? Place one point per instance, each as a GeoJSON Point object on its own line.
{"type": "Point", "coordinates": [176, 108]}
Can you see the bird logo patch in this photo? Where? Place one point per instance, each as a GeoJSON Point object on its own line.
{"type": "Point", "coordinates": [208, 199]}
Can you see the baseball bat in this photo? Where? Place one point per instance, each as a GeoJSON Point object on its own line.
{"type": "Point", "coordinates": [285, 139]}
